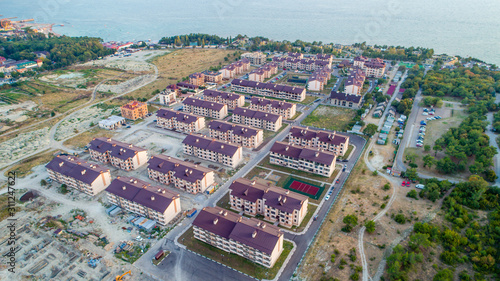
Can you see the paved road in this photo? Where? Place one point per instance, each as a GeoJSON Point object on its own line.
{"type": "Point", "coordinates": [394, 95]}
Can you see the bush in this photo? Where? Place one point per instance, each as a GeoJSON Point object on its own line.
{"type": "Point", "coordinates": [412, 194]}
{"type": "Point", "coordinates": [375, 173]}
{"type": "Point", "coordinates": [332, 258]}
{"type": "Point", "coordinates": [43, 182]}
{"type": "Point", "coordinates": [383, 206]}
{"type": "Point", "coordinates": [370, 226]}
{"type": "Point", "coordinates": [400, 218]}
{"type": "Point", "coordinates": [387, 186]}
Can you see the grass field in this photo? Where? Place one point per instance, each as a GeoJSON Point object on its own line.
{"type": "Point", "coordinates": [329, 117]}
{"type": "Point", "coordinates": [175, 66]}
{"type": "Point", "coordinates": [81, 140]}
{"type": "Point", "coordinates": [24, 167]}
{"type": "Point", "coordinates": [232, 260]}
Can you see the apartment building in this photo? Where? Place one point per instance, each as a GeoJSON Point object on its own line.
{"type": "Point", "coordinates": [179, 121]}
{"type": "Point", "coordinates": [312, 160]}
{"type": "Point", "coordinates": [287, 110]}
{"type": "Point", "coordinates": [119, 154]}
{"type": "Point", "coordinates": [79, 174]}
{"type": "Point", "coordinates": [264, 72]}
{"type": "Point", "coordinates": [318, 79]}
{"type": "Point", "coordinates": [139, 197]}
{"type": "Point", "coordinates": [181, 174]}
{"type": "Point", "coordinates": [212, 150]}
{"type": "Point", "coordinates": [212, 76]}
{"type": "Point", "coordinates": [197, 79]}
{"type": "Point", "coordinates": [257, 118]}
{"type": "Point", "coordinates": [269, 89]}
{"type": "Point", "coordinates": [297, 61]}
{"type": "Point", "coordinates": [250, 238]}
{"type": "Point", "coordinates": [276, 204]}
{"type": "Point", "coordinates": [372, 67]}
{"type": "Point", "coordinates": [205, 108]}
{"type": "Point", "coordinates": [345, 100]}
{"type": "Point", "coordinates": [354, 83]}
{"type": "Point", "coordinates": [239, 134]}
{"type": "Point", "coordinates": [255, 58]}
{"type": "Point", "coordinates": [329, 141]}
{"type": "Point", "coordinates": [134, 110]}
{"type": "Point", "coordinates": [235, 68]}
{"type": "Point", "coordinates": [230, 99]}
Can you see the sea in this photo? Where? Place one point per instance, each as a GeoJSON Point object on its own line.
{"type": "Point", "coordinates": [455, 27]}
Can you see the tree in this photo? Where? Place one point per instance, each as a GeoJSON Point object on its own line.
{"type": "Point", "coordinates": [350, 221]}
{"type": "Point", "coordinates": [444, 275]}
{"type": "Point", "coordinates": [419, 240]}
{"type": "Point", "coordinates": [43, 182]}
{"type": "Point", "coordinates": [370, 129]}
{"type": "Point", "coordinates": [427, 148]}
{"type": "Point", "coordinates": [411, 156]}
{"type": "Point", "coordinates": [400, 218]}
{"type": "Point", "coordinates": [436, 149]}
{"type": "Point", "coordinates": [428, 161]}
{"type": "Point", "coordinates": [412, 194]}
{"type": "Point", "coordinates": [411, 174]}
{"type": "Point", "coordinates": [370, 226]}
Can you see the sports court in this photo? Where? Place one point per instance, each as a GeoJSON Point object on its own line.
{"type": "Point", "coordinates": [311, 190]}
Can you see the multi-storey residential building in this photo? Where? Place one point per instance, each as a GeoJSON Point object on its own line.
{"type": "Point", "coordinates": [329, 141]}
{"type": "Point", "coordinates": [307, 159]}
{"type": "Point", "coordinates": [182, 174]}
{"type": "Point", "coordinates": [137, 196]}
{"type": "Point", "coordinates": [318, 79]}
{"type": "Point", "coordinates": [255, 58]}
{"type": "Point", "coordinates": [235, 68]}
{"type": "Point", "coordinates": [264, 72]}
{"type": "Point", "coordinates": [169, 95]}
{"type": "Point", "coordinates": [179, 121]}
{"type": "Point", "coordinates": [354, 82]}
{"type": "Point", "coordinates": [372, 67]}
{"type": "Point", "coordinates": [119, 154]}
{"type": "Point", "coordinates": [269, 89]}
{"type": "Point", "coordinates": [197, 79]}
{"type": "Point", "coordinates": [243, 135]}
{"type": "Point", "coordinates": [187, 86]}
{"type": "Point", "coordinates": [134, 110]}
{"type": "Point", "coordinates": [274, 203]}
{"type": "Point", "coordinates": [230, 99]}
{"type": "Point", "coordinates": [257, 118]}
{"type": "Point", "coordinates": [296, 61]}
{"type": "Point", "coordinates": [213, 150]}
{"type": "Point", "coordinates": [250, 238]}
{"type": "Point", "coordinates": [205, 108]}
{"type": "Point", "coordinates": [287, 110]}
{"type": "Point", "coordinates": [79, 174]}
{"type": "Point", "coordinates": [345, 100]}
{"type": "Point", "coordinates": [212, 76]}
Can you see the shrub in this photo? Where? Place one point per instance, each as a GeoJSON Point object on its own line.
{"type": "Point", "coordinates": [412, 194]}
{"type": "Point", "coordinates": [400, 218]}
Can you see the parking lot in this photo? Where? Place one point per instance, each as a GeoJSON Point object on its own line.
{"type": "Point", "coordinates": [417, 130]}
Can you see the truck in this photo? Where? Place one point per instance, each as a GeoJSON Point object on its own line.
{"type": "Point", "coordinates": [191, 213]}
{"type": "Point", "coordinates": [159, 255]}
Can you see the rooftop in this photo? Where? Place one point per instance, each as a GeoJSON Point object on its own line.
{"type": "Point", "coordinates": [181, 169]}
{"type": "Point", "coordinates": [251, 113]}
{"type": "Point", "coordinates": [206, 143]}
{"type": "Point", "coordinates": [114, 148]}
{"type": "Point", "coordinates": [298, 152]}
{"type": "Point", "coordinates": [76, 168]}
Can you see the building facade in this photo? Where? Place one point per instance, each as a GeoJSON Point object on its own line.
{"type": "Point", "coordinates": [276, 204]}
{"type": "Point", "coordinates": [134, 110]}
{"type": "Point", "coordinates": [345, 100]}
{"type": "Point", "coordinates": [329, 141]}
{"type": "Point", "coordinates": [197, 79]}
{"type": "Point", "coordinates": [287, 110]}
{"type": "Point", "coordinates": [78, 174]}
{"type": "Point", "coordinates": [354, 83]}
{"type": "Point", "coordinates": [372, 67]}
{"type": "Point", "coordinates": [119, 154]}
{"type": "Point", "coordinates": [239, 134]}
{"type": "Point", "coordinates": [179, 121]}
{"type": "Point", "coordinates": [257, 119]}
{"type": "Point", "coordinates": [112, 122]}
{"type": "Point", "coordinates": [181, 174]}
{"type": "Point", "coordinates": [250, 238]}
{"type": "Point", "coordinates": [212, 150]}
{"type": "Point", "coordinates": [306, 159]}
{"type": "Point", "coordinates": [255, 58]}
{"type": "Point", "coordinates": [230, 99]}
{"type": "Point", "coordinates": [269, 89]}
{"type": "Point", "coordinates": [137, 196]}
{"type": "Point", "coordinates": [205, 108]}
{"type": "Point", "coordinates": [212, 76]}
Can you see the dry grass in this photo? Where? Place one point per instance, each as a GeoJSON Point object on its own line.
{"type": "Point", "coordinates": [24, 167]}
{"type": "Point", "coordinates": [329, 117]}
{"type": "Point", "coordinates": [362, 196]}
{"type": "Point", "coordinates": [84, 138]}
{"type": "Point", "coordinates": [177, 65]}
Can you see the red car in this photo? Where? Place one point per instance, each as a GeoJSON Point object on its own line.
{"type": "Point", "coordinates": [337, 181]}
{"type": "Point", "coordinates": [408, 183]}
{"type": "Point", "coordinates": [403, 183]}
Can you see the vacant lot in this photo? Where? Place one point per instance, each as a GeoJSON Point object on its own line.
{"type": "Point", "coordinates": [177, 65]}
{"type": "Point", "coordinates": [436, 128]}
{"type": "Point", "coordinates": [81, 140]}
{"type": "Point", "coordinates": [23, 168]}
{"type": "Point", "coordinates": [329, 117]}
{"type": "Point", "coordinates": [232, 260]}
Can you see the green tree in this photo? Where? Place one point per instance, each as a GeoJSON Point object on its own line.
{"type": "Point", "coordinates": [400, 218]}
{"type": "Point", "coordinates": [444, 275]}
{"type": "Point", "coordinates": [411, 174]}
{"type": "Point", "coordinates": [428, 161]}
{"type": "Point", "coordinates": [427, 148]}
{"type": "Point", "coordinates": [436, 149]}
{"type": "Point", "coordinates": [370, 130]}
{"type": "Point", "coordinates": [43, 182]}
{"type": "Point", "coordinates": [370, 226]}
{"type": "Point", "coordinates": [419, 240]}
{"type": "Point", "coordinates": [351, 221]}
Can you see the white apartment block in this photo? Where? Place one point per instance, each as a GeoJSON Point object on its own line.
{"type": "Point", "coordinates": [119, 154]}
{"type": "Point", "coordinates": [205, 108]}
{"type": "Point", "coordinates": [179, 121]}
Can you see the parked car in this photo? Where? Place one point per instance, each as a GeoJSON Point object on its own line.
{"type": "Point", "coordinates": [419, 145]}
{"type": "Point", "coordinates": [420, 186]}
{"type": "Point", "coordinates": [426, 110]}
{"type": "Point", "coordinates": [423, 122]}
{"type": "Point", "coordinates": [437, 117]}
{"type": "Point", "coordinates": [431, 112]}
{"type": "Point", "coordinates": [345, 160]}
{"type": "Point", "coordinates": [408, 183]}
{"type": "Point", "coordinates": [337, 181]}
{"type": "Point", "coordinates": [403, 183]}
{"type": "Point", "coordinates": [425, 113]}
{"type": "Point", "coordinates": [327, 197]}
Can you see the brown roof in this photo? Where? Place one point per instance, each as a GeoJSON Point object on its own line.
{"type": "Point", "coordinates": [248, 231]}
{"type": "Point", "coordinates": [141, 192]}
{"type": "Point", "coordinates": [268, 86]}
{"type": "Point", "coordinates": [323, 136]}
{"type": "Point", "coordinates": [177, 115]}
{"type": "Point", "coordinates": [115, 148]}
{"type": "Point", "coordinates": [76, 168]}
{"type": "Point", "coordinates": [271, 103]}
{"type": "Point", "coordinates": [180, 169]}
{"type": "Point", "coordinates": [306, 153]}
{"type": "Point", "coordinates": [133, 105]}
{"type": "Point", "coordinates": [223, 95]}
{"type": "Point", "coordinates": [237, 129]}
{"type": "Point", "coordinates": [345, 97]}
{"type": "Point", "coordinates": [204, 104]}
{"type": "Point", "coordinates": [257, 114]}
{"type": "Point", "coordinates": [206, 143]}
